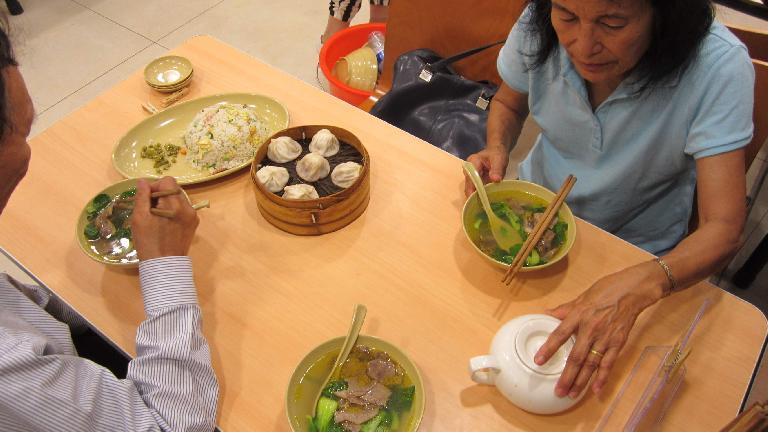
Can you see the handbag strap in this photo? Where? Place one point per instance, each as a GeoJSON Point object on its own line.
{"type": "Point", "coordinates": [462, 55]}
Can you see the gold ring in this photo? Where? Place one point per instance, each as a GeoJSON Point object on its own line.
{"type": "Point", "coordinates": [596, 352]}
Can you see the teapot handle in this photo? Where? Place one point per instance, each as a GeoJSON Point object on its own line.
{"type": "Point", "coordinates": [483, 369]}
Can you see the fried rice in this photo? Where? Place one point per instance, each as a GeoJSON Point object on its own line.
{"type": "Point", "coordinates": [224, 136]}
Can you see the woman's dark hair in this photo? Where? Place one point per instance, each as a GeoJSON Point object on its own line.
{"type": "Point", "coordinates": [678, 28]}
{"type": "Point", "coordinates": [6, 59]}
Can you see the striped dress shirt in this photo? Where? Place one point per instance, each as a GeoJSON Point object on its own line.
{"type": "Point", "coordinates": [45, 386]}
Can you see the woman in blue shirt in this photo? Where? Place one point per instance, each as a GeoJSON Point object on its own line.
{"type": "Point", "coordinates": [646, 102]}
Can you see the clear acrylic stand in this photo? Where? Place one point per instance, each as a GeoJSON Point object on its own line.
{"type": "Point", "coordinates": [646, 394]}
{"type": "Point", "coordinates": [651, 386]}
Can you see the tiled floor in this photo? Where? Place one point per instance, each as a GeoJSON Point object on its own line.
{"type": "Point", "coordinates": [71, 50]}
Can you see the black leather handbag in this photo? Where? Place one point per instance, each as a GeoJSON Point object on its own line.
{"type": "Point", "coordinates": [431, 101]}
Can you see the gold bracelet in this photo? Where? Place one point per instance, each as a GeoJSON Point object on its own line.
{"type": "Point", "coordinates": [672, 283]}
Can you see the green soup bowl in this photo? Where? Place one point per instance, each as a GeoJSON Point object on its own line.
{"type": "Point", "coordinates": [518, 190]}
{"type": "Point", "coordinates": [309, 376]}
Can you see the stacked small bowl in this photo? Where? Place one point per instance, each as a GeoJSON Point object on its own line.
{"type": "Point", "coordinates": [168, 74]}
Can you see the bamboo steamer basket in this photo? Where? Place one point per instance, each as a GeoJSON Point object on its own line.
{"type": "Point", "coordinates": [317, 216]}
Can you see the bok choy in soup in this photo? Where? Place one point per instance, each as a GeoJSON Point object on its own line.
{"type": "Point", "coordinates": [523, 211]}
{"type": "Point", "coordinates": [108, 230]}
{"type": "Point", "coordinates": [371, 394]}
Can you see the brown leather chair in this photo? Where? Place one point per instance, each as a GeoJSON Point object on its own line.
{"type": "Point", "coordinates": [447, 28]}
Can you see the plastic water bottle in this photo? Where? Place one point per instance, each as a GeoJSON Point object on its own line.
{"type": "Point", "coordinates": [376, 42]}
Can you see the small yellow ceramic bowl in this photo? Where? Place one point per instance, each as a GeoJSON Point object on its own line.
{"type": "Point", "coordinates": [123, 253]}
{"type": "Point", "coordinates": [511, 189]}
{"type": "Point", "coordinates": [358, 69]}
{"type": "Point", "coordinates": [309, 375]}
{"type": "Point", "coordinates": [167, 71]}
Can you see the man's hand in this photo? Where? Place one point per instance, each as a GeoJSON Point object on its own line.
{"type": "Point", "coordinates": [157, 236]}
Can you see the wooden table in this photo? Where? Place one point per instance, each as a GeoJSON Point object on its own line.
{"type": "Point", "coordinates": [269, 297]}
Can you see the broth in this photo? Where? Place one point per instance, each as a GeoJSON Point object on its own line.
{"type": "Point", "coordinates": [108, 230]}
{"type": "Point", "coordinates": [394, 416]}
{"type": "Point", "coordinates": [522, 210]}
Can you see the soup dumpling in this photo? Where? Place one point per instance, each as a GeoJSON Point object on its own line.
{"type": "Point", "coordinates": [346, 173]}
{"type": "Point", "coordinates": [324, 143]}
{"type": "Point", "coordinates": [283, 149]}
{"type": "Point", "coordinates": [273, 178]}
{"type": "Point", "coordinates": [312, 167]}
{"type": "Point", "coordinates": [300, 191]}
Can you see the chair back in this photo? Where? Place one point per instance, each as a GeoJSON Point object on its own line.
{"type": "Point", "coordinates": [755, 40]}
{"type": "Point", "coordinates": [760, 113]}
{"type": "Point", "coordinates": [449, 28]}
{"type": "Point", "coordinates": [759, 135]}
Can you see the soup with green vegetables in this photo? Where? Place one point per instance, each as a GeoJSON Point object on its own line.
{"type": "Point", "coordinates": [372, 393]}
{"type": "Point", "coordinates": [523, 211]}
{"type": "Point", "coordinates": [108, 227]}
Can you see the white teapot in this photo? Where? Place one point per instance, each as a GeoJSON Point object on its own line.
{"type": "Point", "coordinates": [510, 366]}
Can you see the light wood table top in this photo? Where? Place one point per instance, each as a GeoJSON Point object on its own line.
{"type": "Point", "coordinates": [269, 297]}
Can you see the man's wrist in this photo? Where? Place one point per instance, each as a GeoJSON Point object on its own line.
{"type": "Point", "coordinates": [167, 281]}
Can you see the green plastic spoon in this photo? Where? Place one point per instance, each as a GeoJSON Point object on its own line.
{"type": "Point", "coordinates": [358, 316]}
{"type": "Point", "coordinates": [504, 234]}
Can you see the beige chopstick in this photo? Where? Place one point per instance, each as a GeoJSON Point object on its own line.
{"type": "Point", "coordinates": [174, 97]}
{"type": "Point", "coordinates": [148, 107]}
{"type": "Point", "coordinates": [171, 213]}
{"type": "Point", "coordinates": [167, 192]}
{"type": "Point", "coordinates": [162, 212]}
{"type": "Point", "coordinates": [538, 230]}
{"type": "Point", "coordinates": [201, 204]}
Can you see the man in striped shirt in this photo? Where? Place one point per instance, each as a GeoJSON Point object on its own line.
{"type": "Point", "coordinates": [44, 385]}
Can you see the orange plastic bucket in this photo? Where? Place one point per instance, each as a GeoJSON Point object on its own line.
{"type": "Point", "coordinates": [339, 45]}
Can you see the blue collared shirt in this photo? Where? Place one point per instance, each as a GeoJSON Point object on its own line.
{"type": "Point", "coordinates": [635, 155]}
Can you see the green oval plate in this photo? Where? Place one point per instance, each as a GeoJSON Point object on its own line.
{"type": "Point", "coordinates": [306, 382]}
{"type": "Point", "coordinates": [85, 245]}
{"type": "Point", "coordinates": [170, 125]}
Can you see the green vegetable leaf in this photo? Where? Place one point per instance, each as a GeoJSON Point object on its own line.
{"type": "Point", "coordinates": [561, 232]}
{"type": "Point", "coordinates": [504, 211]}
{"type": "Point", "coordinates": [101, 201]}
{"type": "Point", "coordinates": [533, 259]}
{"type": "Point", "coordinates": [333, 387]}
{"type": "Point", "coordinates": [326, 407]}
{"type": "Point", "coordinates": [91, 232]}
{"type": "Point", "coordinates": [535, 208]}
{"type": "Point", "coordinates": [123, 233]}
{"type": "Point", "coordinates": [335, 427]}
{"type": "Point", "coordinates": [312, 427]}
{"type": "Point", "coordinates": [129, 193]}
{"type": "Point", "coordinates": [506, 256]}
{"type": "Point", "coordinates": [373, 424]}
{"type": "Point", "coordinates": [386, 419]}
{"type": "Point", "coordinates": [401, 398]}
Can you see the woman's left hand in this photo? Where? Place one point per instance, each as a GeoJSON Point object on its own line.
{"type": "Point", "coordinates": [601, 319]}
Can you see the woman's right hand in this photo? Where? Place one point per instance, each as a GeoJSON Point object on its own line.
{"type": "Point", "coordinates": [491, 163]}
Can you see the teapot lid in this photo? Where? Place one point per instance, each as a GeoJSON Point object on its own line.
{"type": "Point", "coordinates": [531, 337]}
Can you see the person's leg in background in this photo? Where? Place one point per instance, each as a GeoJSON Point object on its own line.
{"type": "Point", "coordinates": [343, 11]}
{"type": "Point", "coordinates": [379, 10]}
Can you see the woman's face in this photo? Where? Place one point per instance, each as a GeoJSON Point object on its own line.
{"type": "Point", "coordinates": [14, 150]}
{"type": "Point", "coordinates": [604, 38]}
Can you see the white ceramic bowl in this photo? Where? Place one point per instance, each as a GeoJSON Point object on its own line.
{"type": "Point", "coordinates": [510, 366]}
